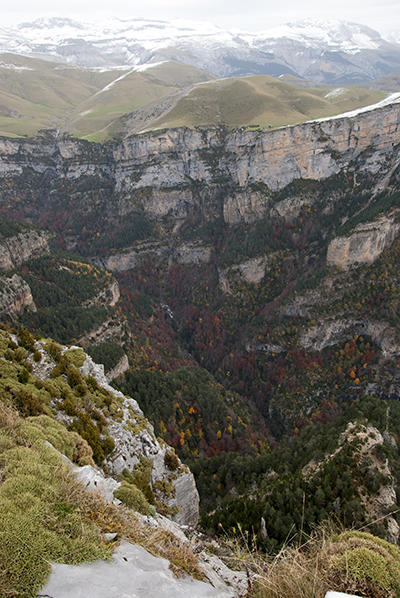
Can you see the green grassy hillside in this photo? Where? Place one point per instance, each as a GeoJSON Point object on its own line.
{"type": "Point", "coordinates": [262, 101]}
{"type": "Point", "coordinates": [37, 94]}
{"type": "Point", "coordinates": [102, 104]}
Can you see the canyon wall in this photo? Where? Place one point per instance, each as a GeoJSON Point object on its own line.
{"type": "Point", "coordinates": [164, 173]}
{"type": "Point", "coordinates": [365, 244]}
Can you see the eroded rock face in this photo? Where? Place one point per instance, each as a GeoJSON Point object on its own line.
{"type": "Point", "coordinates": [133, 257]}
{"type": "Point", "coordinates": [192, 253]}
{"type": "Point", "coordinates": [15, 296]}
{"type": "Point", "coordinates": [251, 271]}
{"type": "Point", "coordinates": [121, 367]}
{"type": "Point", "coordinates": [311, 150]}
{"type": "Point", "coordinates": [22, 247]}
{"type": "Point", "coordinates": [329, 332]}
{"type": "Point", "coordinates": [164, 174]}
{"type": "Point", "coordinates": [290, 208]}
{"type": "Point", "coordinates": [134, 438]}
{"type": "Point", "coordinates": [245, 207]}
{"type": "Point", "coordinates": [365, 244]}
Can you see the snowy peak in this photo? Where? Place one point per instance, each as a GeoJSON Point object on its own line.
{"type": "Point", "coordinates": [134, 29]}
{"type": "Point", "coordinates": [356, 52]}
{"type": "Point", "coordinates": [394, 36]}
{"type": "Point", "coordinates": [51, 24]}
{"type": "Point", "coordinates": [334, 33]}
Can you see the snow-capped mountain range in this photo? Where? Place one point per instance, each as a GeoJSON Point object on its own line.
{"type": "Point", "coordinates": [326, 51]}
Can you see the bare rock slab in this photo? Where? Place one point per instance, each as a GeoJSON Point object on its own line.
{"type": "Point", "coordinates": [132, 573]}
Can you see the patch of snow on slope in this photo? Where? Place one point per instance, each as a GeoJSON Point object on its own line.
{"type": "Point", "coordinates": [13, 67]}
{"type": "Point", "coordinates": [145, 67]}
{"type": "Point", "coordinates": [394, 98]}
{"type": "Point", "coordinates": [110, 85]}
{"type": "Point", "coordinates": [335, 93]}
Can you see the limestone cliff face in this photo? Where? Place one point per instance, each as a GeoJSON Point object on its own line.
{"type": "Point", "coordinates": [330, 331]}
{"type": "Point", "coordinates": [313, 150]}
{"type": "Point", "coordinates": [134, 257]}
{"type": "Point", "coordinates": [365, 244]}
{"type": "Point", "coordinates": [245, 207]}
{"type": "Point", "coordinates": [164, 173]}
{"type": "Point", "coordinates": [22, 247]}
{"type": "Point", "coordinates": [121, 367]}
{"type": "Point", "coordinates": [15, 296]}
{"type": "Point", "coordinates": [134, 438]}
{"type": "Point", "coordinates": [251, 271]}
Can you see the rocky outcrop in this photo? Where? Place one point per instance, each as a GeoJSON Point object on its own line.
{"type": "Point", "coordinates": [132, 572]}
{"type": "Point", "coordinates": [246, 206]}
{"type": "Point", "coordinates": [109, 330]}
{"type": "Point", "coordinates": [121, 367]}
{"type": "Point", "coordinates": [133, 257]}
{"type": "Point", "coordinates": [365, 244]}
{"type": "Point", "coordinates": [22, 247]}
{"type": "Point", "coordinates": [15, 296]}
{"type": "Point", "coordinates": [290, 208]}
{"type": "Point", "coordinates": [330, 331]}
{"type": "Point", "coordinates": [93, 480]}
{"type": "Point", "coordinates": [365, 443]}
{"type": "Point", "coordinates": [134, 439]}
{"type": "Point", "coordinates": [192, 253]}
{"type": "Point", "coordinates": [108, 296]}
{"type": "Point", "coordinates": [250, 271]}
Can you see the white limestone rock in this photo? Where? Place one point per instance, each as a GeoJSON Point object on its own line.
{"type": "Point", "coordinates": [22, 247]}
{"type": "Point", "coordinates": [15, 295]}
{"type": "Point", "coordinates": [133, 572]}
{"type": "Point", "coordinates": [134, 438]}
{"type": "Point", "coordinates": [365, 244]}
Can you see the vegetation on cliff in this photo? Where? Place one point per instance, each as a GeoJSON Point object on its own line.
{"type": "Point", "coordinates": [49, 409]}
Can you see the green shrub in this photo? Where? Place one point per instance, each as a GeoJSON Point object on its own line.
{"type": "Point", "coordinates": [27, 403]}
{"type": "Point", "coordinates": [171, 460]}
{"type": "Point", "coordinates": [23, 376]}
{"type": "Point", "coordinates": [84, 426]}
{"type": "Point", "coordinates": [131, 496]}
{"type": "Point", "coordinates": [76, 356]}
{"type": "Point", "coordinates": [368, 560]}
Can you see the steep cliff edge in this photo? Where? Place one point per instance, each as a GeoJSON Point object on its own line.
{"type": "Point", "coordinates": [15, 293]}
{"type": "Point", "coordinates": [161, 172]}
{"type": "Point", "coordinates": [365, 244]}
{"type": "Point", "coordinates": [22, 247]}
{"type": "Point", "coordinates": [134, 440]}
{"type": "Point", "coordinates": [15, 296]}
{"type": "Point", "coordinates": [65, 384]}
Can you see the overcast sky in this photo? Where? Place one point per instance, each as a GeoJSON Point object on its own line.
{"type": "Point", "coordinates": [249, 15]}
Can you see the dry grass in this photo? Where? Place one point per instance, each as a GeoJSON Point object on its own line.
{"type": "Point", "coordinates": [46, 515]}
{"type": "Point", "coordinates": [130, 526]}
{"type": "Point", "coordinates": [331, 559]}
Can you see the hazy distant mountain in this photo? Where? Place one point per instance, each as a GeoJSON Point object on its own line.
{"type": "Point", "coordinates": [326, 51]}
